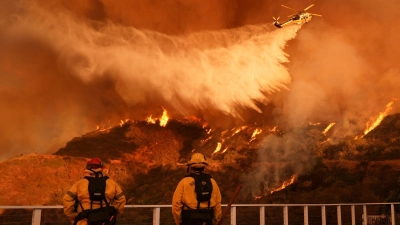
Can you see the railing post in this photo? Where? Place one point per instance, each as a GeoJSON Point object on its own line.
{"type": "Point", "coordinates": [305, 215]}
{"type": "Point", "coordinates": [285, 215]}
{"type": "Point", "coordinates": [36, 214]}
{"type": "Point", "coordinates": [233, 215]}
{"type": "Point", "coordinates": [262, 215]}
{"type": "Point", "coordinates": [365, 217]}
{"type": "Point", "coordinates": [353, 215]}
{"type": "Point", "coordinates": [156, 216]}
{"type": "Point", "coordinates": [323, 215]}
{"type": "Point", "coordinates": [393, 213]}
{"type": "Point", "coordinates": [339, 215]}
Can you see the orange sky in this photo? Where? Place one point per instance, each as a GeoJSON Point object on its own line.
{"type": "Point", "coordinates": [67, 66]}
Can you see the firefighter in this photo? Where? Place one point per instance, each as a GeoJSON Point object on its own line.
{"type": "Point", "coordinates": [187, 208]}
{"type": "Point", "coordinates": [78, 196]}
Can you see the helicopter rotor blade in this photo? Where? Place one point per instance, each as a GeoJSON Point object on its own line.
{"type": "Point", "coordinates": [314, 14]}
{"type": "Point", "coordinates": [308, 7]}
{"type": "Point", "coordinates": [288, 8]}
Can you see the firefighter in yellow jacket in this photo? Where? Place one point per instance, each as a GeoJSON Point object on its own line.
{"type": "Point", "coordinates": [186, 208]}
{"type": "Point", "coordinates": [78, 195]}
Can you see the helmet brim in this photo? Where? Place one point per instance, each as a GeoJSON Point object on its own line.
{"type": "Point", "coordinates": [197, 165]}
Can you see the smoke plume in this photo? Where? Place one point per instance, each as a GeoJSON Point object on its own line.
{"type": "Point", "coordinates": [63, 73]}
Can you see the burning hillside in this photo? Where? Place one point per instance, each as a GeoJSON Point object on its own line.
{"type": "Point", "coordinates": [152, 142]}
{"type": "Point", "coordinates": [273, 165]}
{"type": "Point", "coordinates": [264, 155]}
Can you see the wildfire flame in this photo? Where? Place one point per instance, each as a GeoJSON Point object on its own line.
{"type": "Point", "coordinates": [284, 184]}
{"type": "Point", "coordinates": [123, 122]}
{"type": "Point", "coordinates": [371, 124]}
{"type": "Point", "coordinates": [255, 133]}
{"type": "Point", "coordinates": [238, 130]}
{"type": "Point", "coordinates": [328, 128]}
{"type": "Point", "coordinates": [163, 120]}
{"type": "Point", "coordinates": [219, 145]}
{"type": "Point", "coordinates": [150, 120]}
{"type": "Point", "coordinates": [274, 129]}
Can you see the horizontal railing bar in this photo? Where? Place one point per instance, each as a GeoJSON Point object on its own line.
{"type": "Point", "coordinates": [237, 205]}
{"type": "Point", "coordinates": [32, 207]}
{"type": "Point", "coordinates": [334, 204]}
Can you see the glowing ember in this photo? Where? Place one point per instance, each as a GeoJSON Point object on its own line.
{"type": "Point", "coordinates": [257, 197]}
{"type": "Point", "coordinates": [327, 140]}
{"type": "Point", "coordinates": [219, 145]}
{"type": "Point", "coordinates": [328, 128]}
{"type": "Point", "coordinates": [372, 124]}
{"type": "Point", "coordinates": [255, 133]}
{"type": "Point", "coordinates": [164, 119]}
{"type": "Point", "coordinates": [202, 142]}
{"type": "Point", "coordinates": [284, 184]}
{"type": "Point", "coordinates": [224, 150]}
{"type": "Point", "coordinates": [274, 129]}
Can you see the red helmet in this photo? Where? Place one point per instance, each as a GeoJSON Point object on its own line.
{"type": "Point", "coordinates": [94, 163]}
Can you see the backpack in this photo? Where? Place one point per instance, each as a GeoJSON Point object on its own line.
{"type": "Point", "coordinates": [203, 189]}
{"type": "Point", "coordinates": [104, 215]}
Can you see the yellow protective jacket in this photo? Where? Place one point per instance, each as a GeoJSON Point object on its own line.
{"type": "Point", "coordinates": [185, 198]}
{"type": "Point", "coordinates": [79, 190]}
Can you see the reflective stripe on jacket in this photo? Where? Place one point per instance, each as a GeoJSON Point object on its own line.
{"type": "Point", "coordinates": [185, 195]}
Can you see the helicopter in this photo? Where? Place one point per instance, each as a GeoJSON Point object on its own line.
{"type": "Point", "coordinates": [300, 17]}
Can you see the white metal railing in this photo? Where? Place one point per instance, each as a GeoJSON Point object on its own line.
{"type": "Point", "coordinates": [263, 208]}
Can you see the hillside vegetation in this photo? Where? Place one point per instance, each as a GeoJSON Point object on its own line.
{"type": "Point", "coordinates": [143, 157]}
